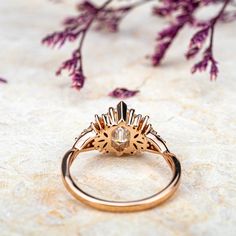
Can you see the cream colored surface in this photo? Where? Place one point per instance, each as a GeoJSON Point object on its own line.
{"type": "Point", "coordinates": [40, 116]}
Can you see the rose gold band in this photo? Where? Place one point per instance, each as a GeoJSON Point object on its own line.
{"type": "Point", "coordinates": [121, 206]}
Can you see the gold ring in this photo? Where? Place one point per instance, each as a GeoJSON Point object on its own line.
{"type": "Point", "coordinates": [120, 132]}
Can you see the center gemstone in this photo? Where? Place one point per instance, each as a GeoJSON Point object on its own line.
{"type": "Point", "coordinates": [120, 138]}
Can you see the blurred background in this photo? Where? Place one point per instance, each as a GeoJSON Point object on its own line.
{"type": "Point", "coordinates": [40, 115]}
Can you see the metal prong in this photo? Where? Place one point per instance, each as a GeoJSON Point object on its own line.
{"type": "Point", "coordinates": [131, 116]}
{"type": "Point", "coordinates": [111, 113]}
{"type": "Point", "coordinates": [122, 111]}
{"type": "Point", "coordinates": [94, 127]}
{"type": "Point", "coordinates": [98, 121]}
{"type": "Point", "coordinates": [106, 120]}
{"type": "Point", "coordinates": [137, 120]}
{"type": "Point", "coordinates": [145, 121]}
{"type": "Point", "coordinates": [148, 128]}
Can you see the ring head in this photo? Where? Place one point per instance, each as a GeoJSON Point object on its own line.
{"type": "Point", "coordinates": [121, 131]}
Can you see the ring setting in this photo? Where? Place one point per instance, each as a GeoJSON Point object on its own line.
{"type": "Point", "coordinates": [121, 132]}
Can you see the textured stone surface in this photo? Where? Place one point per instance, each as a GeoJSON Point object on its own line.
{"type": "Point", "coordinates": [41, 115]}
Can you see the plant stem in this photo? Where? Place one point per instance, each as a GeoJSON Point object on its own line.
{"type": "Point", "coordinates": [84, 33]}
{"type": "Point", "coordinates": [214, 21]}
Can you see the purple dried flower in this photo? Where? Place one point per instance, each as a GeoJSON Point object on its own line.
{"type": "Point", "coordinates": [110, 18]}
{"type": "Point", "coordinates": [214, 69]}
{"type": "Point", "coordinates": [164, 11]}
{"type": "Point", "coordinates": [184, 14]}
{"type": "Point", "coordinates": [87, 6]}
{"type": "Point", "coordinates": [203, 64]}
{"type": "Point", "coordinates": [73, 66]}
{"type": "Point", "coordinates": [2, 80]}
{"type": "Point", "coordinates": [193, 51]}
{"type": "Point", "coordinates": [166, 37]}
{"type": "Point", "coordinates": [199, 38]}
{"type": "Point", "coordinates": [159, 54]}
{"type": "Point", "coordinates": [228, 16]}
{"type": "Point", "coordinates": [78, 79]}
{"type": "Point", "coordinates": [123, 93]}
{"type": "Point", "coordinates": [180, 12]}
{"type": "Point", "coordinates": [197, 42]}
{"type": "Point", "coordinates": [75, 28]}
{"type": "Point", "coordinates": [168, 32]}
{"type": "Point", "coordinates": [70, 65]}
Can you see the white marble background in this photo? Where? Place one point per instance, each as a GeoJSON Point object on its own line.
{"type": "Point", "coordinates": [40, 116]}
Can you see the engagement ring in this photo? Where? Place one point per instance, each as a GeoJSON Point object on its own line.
{"type": "Point", "coordinates": [121, 132]}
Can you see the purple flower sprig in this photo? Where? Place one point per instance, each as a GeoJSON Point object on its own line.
{"type": "Point", "coordinates": [122, 93]}
{"type": "Point", "coordinates": [76, 28]}
{"type": "Point", "coordinates": [106, 17]}
{"type": "Point", "coordinates": [2, 80]}
{"type": "Point", "coordinates": [184, 12]}
{"type": "Point", "coordinates": [199, 39]}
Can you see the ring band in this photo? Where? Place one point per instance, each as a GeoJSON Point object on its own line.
{"type": "Point", "coordinates": [121, 132]}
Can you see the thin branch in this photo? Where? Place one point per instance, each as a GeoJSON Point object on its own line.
{"type": "Point", "coordinates": [214, 21]}
{"type": "Point", "coordinates": [84, 33]}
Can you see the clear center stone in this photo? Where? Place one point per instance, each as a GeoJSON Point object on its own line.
{"type": "Point", "coordinates": [120, 138]}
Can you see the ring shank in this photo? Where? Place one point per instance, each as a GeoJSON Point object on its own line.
{"type": "Point", "coordinates": [121, 206]}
